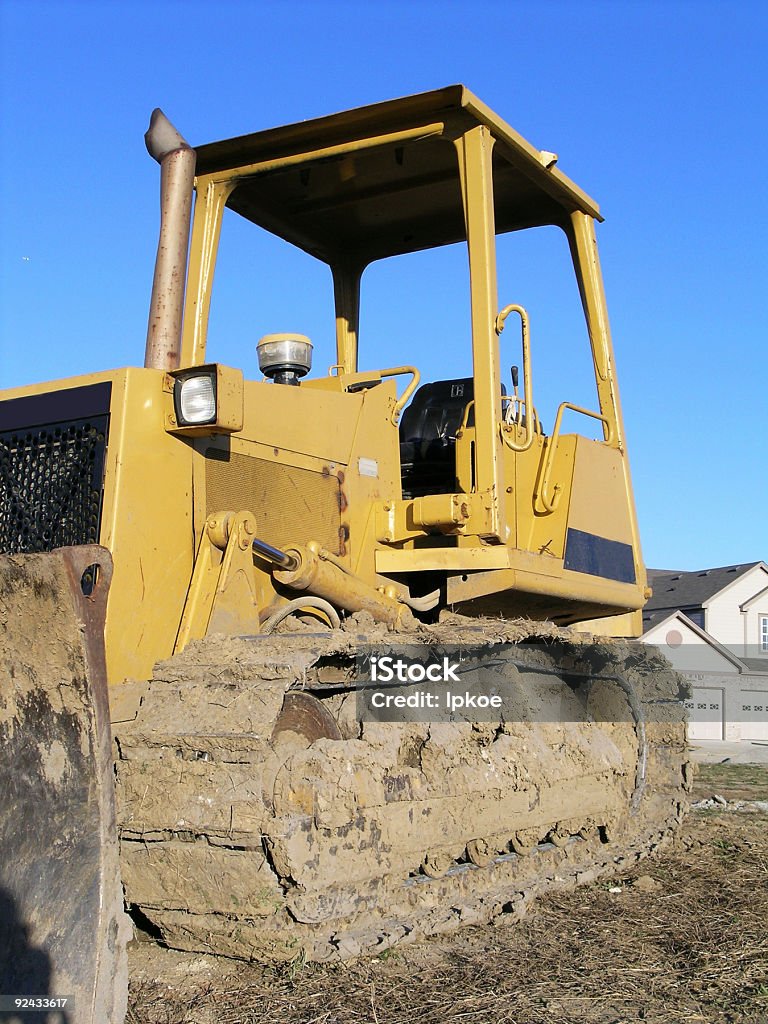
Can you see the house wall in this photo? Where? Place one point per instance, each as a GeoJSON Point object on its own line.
{"type": "Point", "coordinates": [715, 706]}
{"type": "Point", "coordinates": [737, 630]}
{"type": "Point", "coordinates": [728, 701]}
{"type": "Point", "coordinates": [757, 609]}
{"type": "Point", "coordinates": [691, 653]}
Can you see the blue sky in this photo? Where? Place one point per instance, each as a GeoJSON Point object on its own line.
{"type": "Point", "coordinates": [656, 109]}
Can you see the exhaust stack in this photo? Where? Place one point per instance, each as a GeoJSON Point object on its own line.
{"type": "Point", "coordinates": [177, 163]}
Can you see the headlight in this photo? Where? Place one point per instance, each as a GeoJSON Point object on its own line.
{"type": "Point", "coordinates": [195, 399]}
{"type": "Point", "coordinates": [203, 400]}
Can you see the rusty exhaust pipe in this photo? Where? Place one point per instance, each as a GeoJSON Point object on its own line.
{"type": "Point", "coordinates": [177, 175]}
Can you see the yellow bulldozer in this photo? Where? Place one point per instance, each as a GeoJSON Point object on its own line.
{"type": "Point", "coordinates": [201, 569]}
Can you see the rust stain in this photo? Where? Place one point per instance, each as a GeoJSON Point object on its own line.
{"type": "Point", "coordinates": [343, 538]}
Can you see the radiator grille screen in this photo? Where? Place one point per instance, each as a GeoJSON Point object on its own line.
{"type": "Point", "coordinates": [51, 485]}
{"type": "Point", "coordinates": [292, 505]}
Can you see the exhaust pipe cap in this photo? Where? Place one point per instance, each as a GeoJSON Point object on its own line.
{"type": "Point", "coordinates": [162, 138]}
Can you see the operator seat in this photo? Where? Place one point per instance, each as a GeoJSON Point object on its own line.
{"type": "Point", "coordinates": [428, 436]}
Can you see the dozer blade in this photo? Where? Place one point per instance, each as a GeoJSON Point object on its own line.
{"type": "Point", "coordinates": [62, 928]}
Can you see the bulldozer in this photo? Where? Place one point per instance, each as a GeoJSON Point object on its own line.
{"type": "Point", "coordinates": [200, 568]}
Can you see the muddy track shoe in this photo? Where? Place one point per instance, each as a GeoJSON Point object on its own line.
{"type": "Point", "coordinates": [259, 818]}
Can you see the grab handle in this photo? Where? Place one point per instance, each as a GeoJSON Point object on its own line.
{"type": "Point", "coordinates": [527, 398]}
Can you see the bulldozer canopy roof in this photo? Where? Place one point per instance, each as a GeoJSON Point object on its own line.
{"type": "Point", "coordinates": [382, 180]}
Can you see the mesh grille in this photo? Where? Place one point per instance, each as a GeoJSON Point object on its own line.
{"type": "Point", "coordinates": [292, 505]}
{"type": "Point", "coordinates": [51, 485]}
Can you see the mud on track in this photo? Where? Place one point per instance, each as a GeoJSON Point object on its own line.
{"type": "Point", "coordinates": [692, 947]}
{"type": "Point", "coordinates": [235, 841]}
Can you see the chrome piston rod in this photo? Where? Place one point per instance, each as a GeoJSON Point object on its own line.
{"type": "Point", "coordinates": [275, 555]}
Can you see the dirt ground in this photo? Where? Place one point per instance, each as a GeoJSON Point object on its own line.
{"type": "Point", "coordinates": [682, 938]}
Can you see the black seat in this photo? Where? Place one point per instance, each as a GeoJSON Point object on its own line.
{"type": "Point", "coordinates": [428, 436]}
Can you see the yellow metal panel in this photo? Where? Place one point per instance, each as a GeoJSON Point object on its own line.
{"type": "Point", "coordinates": [602, 592]}
{"type": "Point", "coordinates": [62, 384]}
{"type": "Point", "coordinates": [451, 559]}
{"type": "Point", "coordinates": [630, 624]}
{"type": "Point", "coordinates": [147, 525]}
{"type": "Point", "coordinates": [547, 578]}
{"type": "Point", "coordinates": [307, 421]}
{"type": "Point", "coordinates": [599, 501]}
{"type": "Point", "coordinates": [146, 519]}
{"type": "Point", "coordinates": [538, 530]}
{"type": "Point", "coordinates": [373, 473]}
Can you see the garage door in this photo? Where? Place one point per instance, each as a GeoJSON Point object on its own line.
{"type": "Point", "coordinates": [705, 713]}
{"type": "Point", "coordinates": [754, 714]}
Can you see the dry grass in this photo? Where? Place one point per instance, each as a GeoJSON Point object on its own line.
{"type": "Point", "coordinates": [693, 950]}
{"type": "Point", "coordinates": [733, 781]}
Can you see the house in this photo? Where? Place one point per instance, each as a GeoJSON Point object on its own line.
{"type": "Point", "coordinates": [712, 624]}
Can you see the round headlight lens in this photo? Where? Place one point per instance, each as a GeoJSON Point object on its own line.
{"type": "Point", "coordinates": [197, 400]}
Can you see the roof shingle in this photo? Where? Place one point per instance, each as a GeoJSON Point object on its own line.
{"type": "Point", "coordinates": [675, 589]}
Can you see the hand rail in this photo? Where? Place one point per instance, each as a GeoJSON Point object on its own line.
{"type": "Point", "coordinates": [363, 379]}
{"type": "Point", "coordinates": [527, 382]}
{"type": "Point", "coordinates": [400, 404]}
{"type": "Point", "coordinates": [465, 418]}
{"type": "Point", "coordinates": [550, 504]}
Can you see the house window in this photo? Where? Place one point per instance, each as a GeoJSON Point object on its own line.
{"type": "Point", "coordinates": [763, 633]}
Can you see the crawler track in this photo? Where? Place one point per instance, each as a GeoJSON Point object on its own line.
{"type": "Point", "coordinates": [328, 838]}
